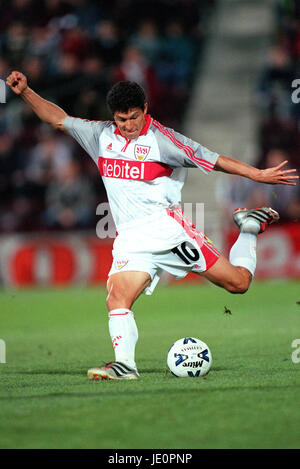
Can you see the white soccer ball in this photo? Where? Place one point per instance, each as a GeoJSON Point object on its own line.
{"type": "Point", "coordinates": [189, 357]}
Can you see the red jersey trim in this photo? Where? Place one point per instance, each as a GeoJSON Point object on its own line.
{"type": "Point", "coordinates": [209, 251]}
{"type": "Point", "coordinates": [186, 148]}
{"type": "Point", "coordinates": [144, 130]}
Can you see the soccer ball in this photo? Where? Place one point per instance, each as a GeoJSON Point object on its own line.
{"type": "Point", "coordinates": [189, 357]}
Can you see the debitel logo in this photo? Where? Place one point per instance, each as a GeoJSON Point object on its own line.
{"type": "Point", "coordinates": [128, 169]}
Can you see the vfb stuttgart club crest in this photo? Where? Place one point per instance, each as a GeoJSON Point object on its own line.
{"type": "Point", "coordinates": [141, 152]}
{"type": "Point", "coordinates": [120, 263]}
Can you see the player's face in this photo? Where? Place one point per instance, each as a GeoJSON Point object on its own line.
{"type": "Point", "coordinates": [131, 123]}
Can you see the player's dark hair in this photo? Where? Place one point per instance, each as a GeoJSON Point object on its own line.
{"type": "Point", "coordinates": [125, 95]}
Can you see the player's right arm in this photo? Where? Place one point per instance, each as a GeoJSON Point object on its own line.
{"type": "Point", "coordinates": [45, 110]}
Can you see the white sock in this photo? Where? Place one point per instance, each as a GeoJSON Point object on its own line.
{"type": "Point", "coordinates": [124, 335]}
{"type": "Point", "coordinates": [243, 252]}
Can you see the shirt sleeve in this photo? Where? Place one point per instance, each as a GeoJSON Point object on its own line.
{"type": "Point", "coordinates": [86, 133]}
{"type": "Point", "coordinates": [178, 150]}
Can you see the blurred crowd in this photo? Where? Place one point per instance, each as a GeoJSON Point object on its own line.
{"type": "Point", "coordinates": [279, 120]}
{"type": "Point", "coordinates": [72, 51]}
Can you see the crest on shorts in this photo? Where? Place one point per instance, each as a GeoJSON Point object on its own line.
{"type": "Point", "coordinates": [141, 152]}
{"type": "Point", "coordinates": [120, 264]}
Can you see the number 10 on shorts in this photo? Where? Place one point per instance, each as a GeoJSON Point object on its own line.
{"type": "Point", "coordinates": [187, 253]}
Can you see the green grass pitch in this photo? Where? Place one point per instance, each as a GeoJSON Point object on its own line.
{"type": "Point", "coordinates": [250, 399]}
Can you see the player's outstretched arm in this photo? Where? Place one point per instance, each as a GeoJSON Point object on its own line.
{"type": "Point", "coordinates": [275, 175]}
{"type": "Point", "coordinates": [45, 110]}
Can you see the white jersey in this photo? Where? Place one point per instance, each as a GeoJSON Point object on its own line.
{"type": "Point", "coordinates": [143, 177]}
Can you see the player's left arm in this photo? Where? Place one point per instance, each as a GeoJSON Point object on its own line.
{"type": "Point", "coordinates": [274, 175]}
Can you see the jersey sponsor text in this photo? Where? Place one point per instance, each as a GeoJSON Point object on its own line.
{"type": "Point", "coordinates": [127, 169]}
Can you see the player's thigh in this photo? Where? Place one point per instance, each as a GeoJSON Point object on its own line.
{"type": "Point", "coordinates": [232, 278]}
{"type": "Point", "coordinates": [123, 288]}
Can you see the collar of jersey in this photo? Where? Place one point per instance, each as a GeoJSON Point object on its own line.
{"type": "Point", "coordinates": [144, 129]}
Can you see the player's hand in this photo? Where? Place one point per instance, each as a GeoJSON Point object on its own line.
{"type": "Point", "coordinates": [278, 175]}
{"type": "Point", "coordinates": [17, 82]}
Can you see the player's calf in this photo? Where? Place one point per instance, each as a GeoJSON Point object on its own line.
{"type": "Point", "coordinates": [240, 283]}
{"type": "Point", "coordinates": [234, 279]}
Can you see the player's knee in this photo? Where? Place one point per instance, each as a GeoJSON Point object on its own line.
{"type": "Point", "coordinates": [113, 301]}
{"type": "Point", "coordinates": [116, 299]}
{"type": "Point", "coordinates": [240, 282]}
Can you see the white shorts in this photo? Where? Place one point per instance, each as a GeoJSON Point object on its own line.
{"type": "Point", "coordinates": [172, 245]}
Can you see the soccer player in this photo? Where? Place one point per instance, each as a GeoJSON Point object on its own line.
{"type": "Point", "coordinates": [143, 165]}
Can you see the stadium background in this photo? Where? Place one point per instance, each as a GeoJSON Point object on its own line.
{"type": "Point", "coordinates": [221, 72]}
{"type": "Point", "coordinates": [225, 84]}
